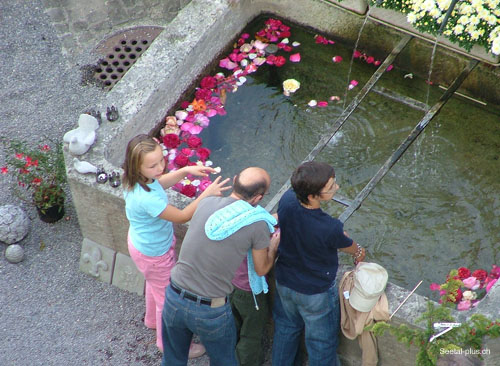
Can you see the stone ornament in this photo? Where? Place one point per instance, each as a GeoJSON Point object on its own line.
{"type": "Point", "coordinates": [84, 167]}
{"type": "Point", "coordinates": [95, 260]}
{"type": "Point", "coordinates": [14, 224]}
{"type": "Point", "coordinates": [14, 253]}
{"type": "Point", "coordinates": [80, 139]}
{"type": "Point", "coordinates": [112, 113]}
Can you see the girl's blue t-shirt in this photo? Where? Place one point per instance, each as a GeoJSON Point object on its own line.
{"type": "Point", "coordinates": [151, 235]}
{"type": "Point", "coordinates": [307, 254]}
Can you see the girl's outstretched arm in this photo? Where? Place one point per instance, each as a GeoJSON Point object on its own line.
{"type": "Point", "coordinates": [173, 214]}
{"type": "Point", "coordinates": [173, 177]}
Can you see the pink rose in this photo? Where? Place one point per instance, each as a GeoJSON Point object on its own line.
{"type": "Point", "coordinates": [204, 184]}
{"type": "Point", "coordinates": [471, 283]}
{"type": "Point", "coordinates": [464, 305]}
{"type": "Point", "coordinates": [187, 151]}
{"type": "Point", "coordinates": [435, 287]}
{"type": "Point", "coordinates": [490, 285]}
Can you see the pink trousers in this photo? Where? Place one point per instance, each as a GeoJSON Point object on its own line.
{"type": "Point", "coordinates": [156, 271]}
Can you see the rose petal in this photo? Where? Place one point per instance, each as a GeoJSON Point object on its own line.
{"type": "Point", "coordinates": [296, 44]}
{"type": "Point", "coordinates": [295, 57]}
{"type": "Point", "coordinates": [312, 103]}
{"type": "Point", "coordinates": [337, 59]}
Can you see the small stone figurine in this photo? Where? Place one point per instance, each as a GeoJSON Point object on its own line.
{"type": "Point", "coordinates": [114, 179]}
{"type": "Point", "coordinates": [101, 176]}
{"type": "Point", "coordinates": [95, 114]}
{"type": "Point", "coordinates": [112, 113]}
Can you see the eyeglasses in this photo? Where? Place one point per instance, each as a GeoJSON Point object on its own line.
{"type": "Point", "coordinates": [331, 190]}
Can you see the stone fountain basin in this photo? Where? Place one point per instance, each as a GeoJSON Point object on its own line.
{"type": "Point", "coordinates": [167, 70]}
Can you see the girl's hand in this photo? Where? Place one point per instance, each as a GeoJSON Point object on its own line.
{"type": "Point", "coordinates": [216, 188]}
{"type": "Point", "coordinates": [200, 170]}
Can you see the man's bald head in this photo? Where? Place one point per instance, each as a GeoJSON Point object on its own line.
{"type": "Point", "coordinates": [251, 182]}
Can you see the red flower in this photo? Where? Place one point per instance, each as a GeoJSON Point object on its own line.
{"type": "Point", "coordinates": [184, 104]}
{"type": "Point", "coordinates": [171, 140]}
{"type": "Point", "coordinates": [36, 181]}
{"type": "Point", "coordinates": [4, 170]}
{"type": "Point", "coordinates": [181, 160]}
{"type": "Point", "coordinates": [203, 94]}
{"type": "Point", "coordinates": [203, 153]}
{"type": "Point", "coordinates": [279, 61]}
{"type": "Point", "coordinates": [458, 296]}
{"type": "Point", "coordinates": [194, 142]}
{"type": "Point", "coordinates": [370, 59]}
{"type": "Point", "coordinates": [463, 273]}
{"type": "Point", "coordinates": [208, 82]}
{"type": "Point", "coordinates": [356, 54]}
{"type": "Point", "coordinates": [189, 190]}
{"type": "Point", "coordinates": [480, 274]}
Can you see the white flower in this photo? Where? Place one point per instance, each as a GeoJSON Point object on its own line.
{"type": "Point", "coordinates": [411, 17]}
{"type": "Point", "coordinates": [290, 86]}
{"type": "Point", "coordinates": [312, 103]}
{"type": "Point", "coordinates": [469, 295]}
{"type": "Point", "coordinates": [495, 47]}
{"type": "Point", "coordinates": [458, 29]}
{"type": "Point", "coordinates": [196, 182]}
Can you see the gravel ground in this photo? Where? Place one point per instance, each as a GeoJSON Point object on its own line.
{"type": "Point", "coordinates": [50, 313]}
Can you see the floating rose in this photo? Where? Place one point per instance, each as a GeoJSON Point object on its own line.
{"type": "Point", "coordinates": [334, 97]}
{"type": "Point", "coordinates": [389, 68]}
{"type": "Point", "coordinates": [337, 59]}
{"type": "Point", "coordinates": [352, 84]}
{"type": "Point", "coordinates": [323, 104]}
{"type": "Point", "coordinates": [296, 44]}
{"type": "Point", "coordinates": [290, 86]}
{"type": "Point", "coordinates": [312, 103]}
{"type": "Point", "coordinates": [171, 141]}
{"type": "Point", "coordinates": [295, 57]}
{"type": "Point", "coordinates": [226, 63]}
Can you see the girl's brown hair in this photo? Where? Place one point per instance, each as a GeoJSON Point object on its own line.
{"type": "Point", "coordinates": [134, 156]}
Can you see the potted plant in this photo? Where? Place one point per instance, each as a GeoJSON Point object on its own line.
{"type": "Point", "coordinates": [41, 173]}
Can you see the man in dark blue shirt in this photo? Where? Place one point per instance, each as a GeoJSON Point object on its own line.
{"type": "Point", "coordinates": [306, 268]}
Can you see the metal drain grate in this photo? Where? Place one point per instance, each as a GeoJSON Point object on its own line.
{"type": "Point", "coordinates": [121, 51]}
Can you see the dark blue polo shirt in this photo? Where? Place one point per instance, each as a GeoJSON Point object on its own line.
{"type": "Point", "coordinates": [307, 261]}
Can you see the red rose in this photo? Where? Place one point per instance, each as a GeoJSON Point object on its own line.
{"type": "Point", "coordinates": [189, 190]}
{"type": "Point", "coordinates": [208, 82]}
{"type": "Point", "coordinates": [194, 142]}
{"type": "Point", "coordinates": [463, 273]}
{"type": "Point", "coordinates": [279, 61]}
{"type": "Point", "coordinates": [458, 296]}
{"type": "Point", "coordinates": [187, 151]}
{"type": "Point", "coordinates": [203, 153]}
{"type": "Point", "coordinates": [203, 94]}
{"type": "Point", "coordinates": [480, 274]}
{"type": "Point", "coordinates": [171, 141]}
{"type": "Point", "coordinates": [184, 104]}
{"type": "Point", "coordinates": [181, 160]}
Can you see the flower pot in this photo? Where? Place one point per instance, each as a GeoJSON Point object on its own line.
{"type": "Point", "coordinates": [51, 214]}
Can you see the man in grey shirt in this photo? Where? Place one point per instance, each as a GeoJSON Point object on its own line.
{"type": "Point", "coordinates": [197, 299]}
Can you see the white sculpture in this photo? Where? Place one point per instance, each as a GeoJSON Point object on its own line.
{"type": "Point", "coordinates": [84, 167]}
{"type": "Point", "coordinates": [80, 139]}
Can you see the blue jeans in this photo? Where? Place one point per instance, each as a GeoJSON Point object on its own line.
{"type": "Point", "coordinates": [319, 314]}
{"type": "Point", "coordinates": [215, 326]}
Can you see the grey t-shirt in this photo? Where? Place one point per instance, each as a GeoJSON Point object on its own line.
{"type": "Point", "coordinates": [206, 267]}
